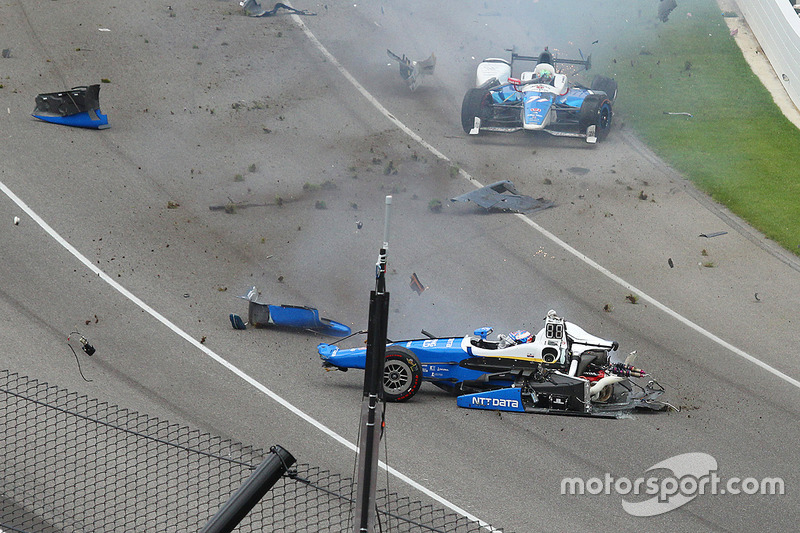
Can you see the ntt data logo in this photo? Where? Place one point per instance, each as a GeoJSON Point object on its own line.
{"type": "Point", "coordinates": [692, 475]}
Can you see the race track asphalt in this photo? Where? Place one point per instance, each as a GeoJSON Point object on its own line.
{"type": "Point", "coordinates": [209, 108]}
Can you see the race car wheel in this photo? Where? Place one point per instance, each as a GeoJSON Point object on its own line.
{"type": "Point", "coordinates": [402, 375]}
{"type": "Point", "coordinates": [607, 85]}
{"type": "Point", "coordinates": [474, 105]}
{"type": "Point", "coordinates": [596, 111]}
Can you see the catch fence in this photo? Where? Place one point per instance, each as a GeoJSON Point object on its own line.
{"type": "Point", "coordinates": [69, 463]}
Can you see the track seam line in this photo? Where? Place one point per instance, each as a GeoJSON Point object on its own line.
{"type": "Point", "coordinates": [588, 261]}
{"type": "Point", "coordinates": [280, 400]}
{"type": "Point", "coordinates": [227, 364]}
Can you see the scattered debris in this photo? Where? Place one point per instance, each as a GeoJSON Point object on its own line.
{"type": "Point", "coordinates": [87, 348]}
{"type": "Point", "coordinates": [715, 234]}
{"type": "Point", "coordinates": [412, 71]}
{"type": "Point", "coordinates": [678, 113]}
{"type": "Point", "coordinates": [231, 207]}
{"type": "Point", "coordinates": [607, 308]}
{"type": "Point", "coordinates": [80, 107]}
{"type": "Point", "coordinates": [16, 221]}
{"type": "Point", "coordinates": [290, 316]}
{"type": "Point", "coordinates": [670, 263]}
{"type": "Point", "coordinates": [642, 195]}
{"type": "Point", "coordinates": [416, 285]}
{"type": "Point", "coordinates": [6, 53]}
{"type": "Point", "coordinates": [578, 170]}
{"type": "Point", "coordinates": [492, 197]}
{"type": "Point", "coordinates": [435, 206]}
{"type": "Point", "coordinates": [665, 7]}
{"type": "Point", "coordinates": [632, 298]}
{"type": "Point", "coordinates": [757, 298]}
{"type": "Point", "coordinates": [253, 9]}
{"type": "Point", "coordinates": [359, 224]}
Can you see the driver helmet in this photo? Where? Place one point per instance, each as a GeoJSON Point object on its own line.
{"type": "Point", "coordinates": [520, 336]}
{"type": "Point", "coordinates": [545, 72]}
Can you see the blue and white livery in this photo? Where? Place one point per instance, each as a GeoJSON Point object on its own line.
{"type": "Point", "coordinates": [562, 369]}
{"type": "Point", "coordinates": [541, 99]}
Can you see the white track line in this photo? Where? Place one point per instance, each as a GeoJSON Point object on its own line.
{"type": "Point", "coordinates": [537, 227]}
{"type": "Point", "coordinates": [219, 359]}
{"type": "Point", "coordinates": [322, 427]}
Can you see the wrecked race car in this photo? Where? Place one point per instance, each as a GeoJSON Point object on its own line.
{"type": "Point", "coordinates": [541, 99]}
{"type": "Point", "coordinates": [560, 370]}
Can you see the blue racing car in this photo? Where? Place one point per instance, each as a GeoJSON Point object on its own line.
{"type": "Point", "coordinates": [541, 99]}
{"type": "Point", "coordinates": [562, 370]}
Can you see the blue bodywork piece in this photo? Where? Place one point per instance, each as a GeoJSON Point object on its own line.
{"type": "Point", "coordinates": [78, 107]}
{"type": "Point", "coordinates": [289, 316]}
{"type": "Point", "coordinates": [562, 369]}
{"type": "Point", "coordinates": [295, 316]}
{"type": "Point", "coordinates": [86, 119]}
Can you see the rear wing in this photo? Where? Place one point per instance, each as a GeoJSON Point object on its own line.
{"type": "Point", "coordinates": [547, 57]}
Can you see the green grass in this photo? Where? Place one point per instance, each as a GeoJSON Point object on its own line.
{"type": "Point", "coordinates": [738, 146]}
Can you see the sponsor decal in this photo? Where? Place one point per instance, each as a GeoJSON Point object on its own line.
{"type": "Point", "coordinates": [479, 401]}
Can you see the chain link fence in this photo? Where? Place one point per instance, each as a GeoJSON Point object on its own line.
{"type": "Point", "coordinates": [69, 463]}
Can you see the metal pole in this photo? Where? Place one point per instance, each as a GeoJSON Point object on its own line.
{"type": "Point", "coordinates": [371, 412]}
{"type": "Point", "coordinates": [250, 493]}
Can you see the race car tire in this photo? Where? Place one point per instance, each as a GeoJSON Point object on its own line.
{"type": "Point", "coordinates": [607, 85]}
{"type": "Point", "coordinates": [596, 111]}
{"type": "Point", "coordinates": [402, 375]}
{"type": "Point", "coordinates": [473, 106]}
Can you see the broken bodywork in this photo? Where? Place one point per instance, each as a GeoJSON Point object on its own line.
{"type": "Point", "coordinates": [561, 370]}
{"type": "Point", "coordinates": [412, 71]}
{"type": "Point", "coordinates": [494, 197]}
{"type": "Point", "coordinates": [261, 315]}
{"type": "Point", "coordinates": [253, 9]}
{"type": "Point", "coordinates": [79, 107]}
